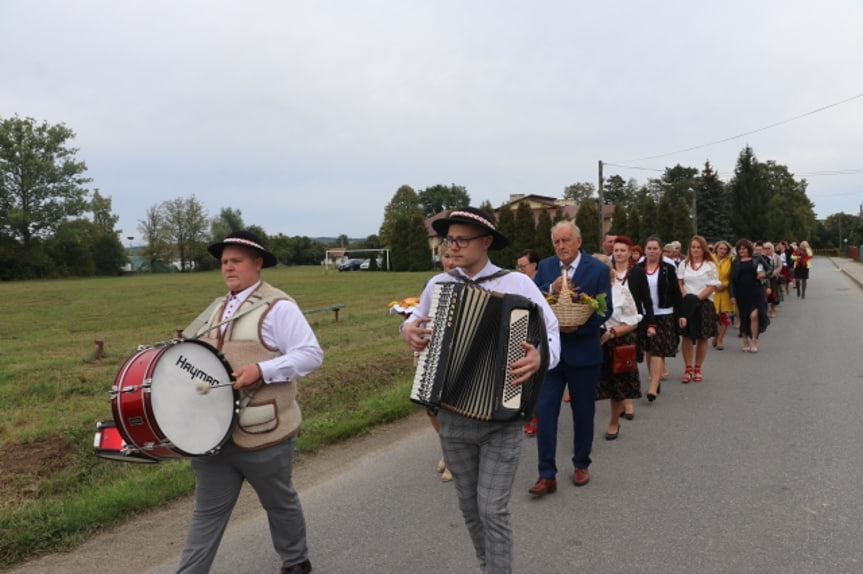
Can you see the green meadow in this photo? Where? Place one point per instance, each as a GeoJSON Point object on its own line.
{"type": "Point", "coordinates": [55, 386]}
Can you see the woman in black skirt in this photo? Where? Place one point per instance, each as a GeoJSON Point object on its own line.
{"type": "Point", "coordinates": [619, 330]}
{"type": "Point", "coordinates": [659, 338]}
{"type": "Point", "coordinates": [633, 278]}
{"type": "Point", "coordinates": [698, 276]}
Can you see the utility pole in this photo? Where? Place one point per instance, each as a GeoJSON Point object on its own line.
{"type": "Point", "coordinates": [601, 206]}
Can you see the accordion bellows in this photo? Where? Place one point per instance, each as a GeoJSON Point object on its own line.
{"type": "Point", "coordinates": [476, 335]}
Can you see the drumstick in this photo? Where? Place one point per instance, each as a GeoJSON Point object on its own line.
{"type": "Point", "coordinates": [204, 388]}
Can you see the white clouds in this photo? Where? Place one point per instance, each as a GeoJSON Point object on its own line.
{"type": "Point", "coordinates": [309, 116]}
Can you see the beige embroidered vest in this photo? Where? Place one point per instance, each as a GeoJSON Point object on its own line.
{"type": "Point", "coordinates": [272, 415]}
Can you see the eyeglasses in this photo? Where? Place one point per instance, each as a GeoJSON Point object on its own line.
{"type": "Point", "coordinates": [461, 242]}
{"type": "Point", "coordinates": [523, 266]}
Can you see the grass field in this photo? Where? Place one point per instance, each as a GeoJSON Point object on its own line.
{"type": "Point", "coordinates": [54, 387]}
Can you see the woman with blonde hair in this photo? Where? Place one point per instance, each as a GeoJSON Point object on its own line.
{"type": "Point", "coordinates": [698, 280]}
{"type": "Point", "coordinates": [721, 298]}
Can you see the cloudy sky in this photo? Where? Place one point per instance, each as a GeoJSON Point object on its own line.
{"type": "Point", "coordinates": [308, 116]}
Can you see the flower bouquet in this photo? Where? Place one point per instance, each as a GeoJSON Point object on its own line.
{"type": "Point", "coordinates": [572, 307]}
{"type": "Point", "coordinates": [403, 307]}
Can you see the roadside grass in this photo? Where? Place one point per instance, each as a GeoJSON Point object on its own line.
{"type": "Point", "coordinates": [54, 388]}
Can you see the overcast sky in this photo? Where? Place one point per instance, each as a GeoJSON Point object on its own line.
{"type": "Point", "coordinates": [308, 116]}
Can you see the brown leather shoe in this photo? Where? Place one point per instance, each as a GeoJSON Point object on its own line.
{"type": "Point", "coordinates": [580, 477]}
{"type": "Point", "coordinates": [543, 486]}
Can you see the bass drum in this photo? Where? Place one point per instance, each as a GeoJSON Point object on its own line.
{"type": "Point", "coordinates": [159, 408]}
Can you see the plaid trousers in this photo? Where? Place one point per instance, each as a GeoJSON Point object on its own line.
{"type": "Point", "coordinates": [483, 459]}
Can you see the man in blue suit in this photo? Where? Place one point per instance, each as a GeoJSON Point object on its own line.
{"type": "Point", "coordinates": [580, 358]}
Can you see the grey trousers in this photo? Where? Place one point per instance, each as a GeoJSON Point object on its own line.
{"type": "Point", "coordinates": [219, 479]}
{"type": "Point", "coordinates": [483, 459]}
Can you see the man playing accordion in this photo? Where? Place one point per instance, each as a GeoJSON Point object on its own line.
{"type": "Point", "coordinates": [483, 455]}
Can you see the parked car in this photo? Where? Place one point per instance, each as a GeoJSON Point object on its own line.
{"type": "Point", "coordinates": [351, 265]}
{"type": "Point", "coordinates": [367, 262]}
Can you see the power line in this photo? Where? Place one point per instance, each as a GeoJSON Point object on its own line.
{"type": "Point", "coordinates": [744, 134]}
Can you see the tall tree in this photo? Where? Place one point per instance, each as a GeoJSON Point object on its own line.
{"type": "Point", "coordinates": [681, 222]}
{"type": "Point", "coordinates": [525, 227]}
{"type": "Point", "coordinates": [71, 248]}
{"type": "Point", "coordinates": [616, 190]}
{"type": "Point", "coordinates": [185, 222]}
{"type": "Point", "coordinates": [152, 230]}
{"type": "Point", "coordinates": [587, 220]}
{"type": "Point", "coordinates": [103, 218]}
{"type": "Point", "coordinates": [619, 223]}
{"type": "Point", "coordinates": [488, 208]}
{"type": "Point", "coordinates": [579, 192]}
{"type": "Point", "coordinates": [665, 219]}
{"type": "Point", "coordinates": [228, 221]}
{"type": "Point", "coordinates": [633, 227]}
{"type": "Point", "coordinates": [677, 182]}
{"type": "Point", "coordinates": [712, 208]}
{"type": "Point", "coordinates": [436, 198]}
{"type": "Point", "coordinates": [109, 256]}
{"type": "Point", "coordinates": [650, 219]}
{"type": "Point", "coordinates": [505, 224]}
{"type": "Point", "coordinates": [400, 252]}
{"type": "Point", "coordinates": [749, 196]}
{"type": "Point", "coordinates": [419, 251]}
{"type": "Point", "coordinates": [405, 203]}
{"type": "Point", "coordinates": [542, 238]}
{"type": "Point", "coordinates": [41, 182]}
{"type": "Point", "coordinates": [789, 211]}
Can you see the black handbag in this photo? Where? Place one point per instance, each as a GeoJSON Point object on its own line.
{"type": "Point", "coordinates": [623, 359]}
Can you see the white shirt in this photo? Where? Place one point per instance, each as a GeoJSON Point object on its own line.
{"type": "Point", "coordinates": [517, 283]}
{"type": "Point", "coordinates": [653, 285]}
{"type": "Point", "coordinates": [285, 328]}
{"type": "Point", "coordinates": [696, 279]}
{"type": "Point", "coordinates": [625, 311]}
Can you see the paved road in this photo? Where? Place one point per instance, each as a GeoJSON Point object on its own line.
{"type": "Point", "coordinates": [757, 469]}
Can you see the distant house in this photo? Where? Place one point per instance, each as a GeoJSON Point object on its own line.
{"type": "Point", "coordinates": [536, 202]}
{"type": "Point", "coordinates": [335, 255]}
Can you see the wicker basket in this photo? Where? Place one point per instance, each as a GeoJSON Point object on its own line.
{"type": "Point", "coordinates": [568, 312]}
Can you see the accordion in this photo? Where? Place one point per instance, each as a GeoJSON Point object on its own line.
{"type": "Point", "coordinates": [476, 335]}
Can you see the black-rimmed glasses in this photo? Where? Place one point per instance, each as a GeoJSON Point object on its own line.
{"type": "Point", "coordinates": [461, 242]}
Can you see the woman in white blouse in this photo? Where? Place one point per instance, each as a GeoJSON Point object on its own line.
{"type": "Point", "coordinates": [698, 278]}
{"type": "Point", "coordinates": [620, 329]}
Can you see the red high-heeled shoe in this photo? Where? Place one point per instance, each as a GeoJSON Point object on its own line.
{"type": "Point", "coordinates": [687, 375]}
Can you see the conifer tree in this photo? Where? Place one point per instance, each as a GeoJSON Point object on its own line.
{"type": "Point", "coordinates": [665, 218]}
{"type": "Point", "coordinates": [619, 223]}
{"type": "Point", "coordinates": [633, 227]}
{"type": "Point", "coordinates": [649, 218]}
{"type": "Point", "coordinates": [542, 238]}
{"type": "Point", "coordinates": [525, 228]}
{"type": "Point", "coordinates": [713, 217]}
{"type": "Point", "coordinates": [505, 224]}
{"type": "Point", "coordinates": [682, 229]}
{"type": "Point", "coordinates": [587, 220]}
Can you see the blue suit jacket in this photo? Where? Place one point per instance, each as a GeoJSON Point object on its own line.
{"type": "Point", "coordinates": [593, 277]}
